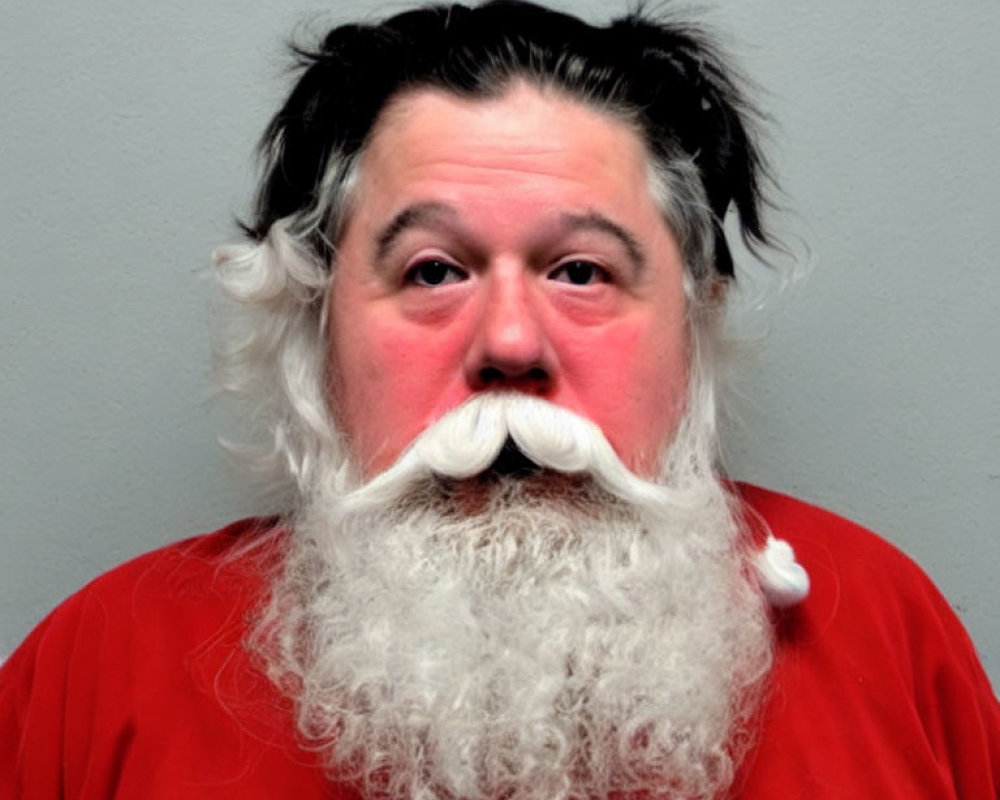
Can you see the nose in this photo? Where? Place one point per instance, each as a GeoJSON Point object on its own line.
{"type": "Point", "coordinates": [510, 348]}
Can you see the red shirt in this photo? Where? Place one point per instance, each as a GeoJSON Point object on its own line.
{"type": "Point", "coordinates": [138, 685]}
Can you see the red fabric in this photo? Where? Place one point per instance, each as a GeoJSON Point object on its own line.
{"type": "Point", "coordinates": [138, 687]}
{"type": "Point", "coordinates": [878, 692]}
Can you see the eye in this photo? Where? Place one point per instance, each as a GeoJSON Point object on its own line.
{"type": "Point", "coordinates": [434, 272]}
{"type": "Point", "coordinates": [580, 273]}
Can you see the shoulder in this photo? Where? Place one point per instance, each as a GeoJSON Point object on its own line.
{"type": "Point", "coordinates": [212, 556]}
{"type": "Point", "coordinates": [205, 574]}
{"type": "Point", "coordinates": [837, 552]}
{"type": "Point", "coordinates": [803, 523]}
{"type": "Point", "coordinates": [875, 649]}
{"type": "Point", "coordinates": [866, 593]}
{"type": "Point", "coordinates": [147, 660]}
{"type": "Point", "coordinates": [864, 590]}
{"type": "Point", "coordinates": [227, 564]}
{"type": "Point", "coordinates": [198, 581]}
{"type": "Point", "coordinates": [181, 594]}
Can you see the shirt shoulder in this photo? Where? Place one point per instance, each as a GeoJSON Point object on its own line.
{"type": "Point", "coordinates": [811, 526]}
{"type": "Point", "coordinates": [875, 678]}
{"type": "Point", "coordinates": [141, 682]}
{"type": "Point", "coordinates": [200, 581]}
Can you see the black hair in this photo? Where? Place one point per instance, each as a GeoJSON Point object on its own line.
{"type": "Point", "coordinates": [668, 77]}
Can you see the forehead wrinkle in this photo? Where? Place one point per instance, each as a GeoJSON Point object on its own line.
{"type": "Point", "coordinates": [501, 169]}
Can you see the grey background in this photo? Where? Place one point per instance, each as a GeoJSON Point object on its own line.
{"type": "Point", "coordinates": [128, 129]}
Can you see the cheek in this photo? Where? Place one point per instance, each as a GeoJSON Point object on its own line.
{"type": "Point", "coordinates": [631, 379]}
{"type": "Point", "coordinates": [390, 381]}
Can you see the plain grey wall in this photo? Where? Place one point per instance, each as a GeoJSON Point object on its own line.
{"type": "Point", "coordinates": [127, 137]}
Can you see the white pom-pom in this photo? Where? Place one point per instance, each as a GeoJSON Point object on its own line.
{"type": "Point", "coordinates": [784, 581]}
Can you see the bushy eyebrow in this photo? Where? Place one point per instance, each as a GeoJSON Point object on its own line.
{"type": "Point", "coordinates": [418, 215]}
{"type": "Point", "coordinates": [431, 213]}
{"type": "Point", "coordinates": [598, 222]}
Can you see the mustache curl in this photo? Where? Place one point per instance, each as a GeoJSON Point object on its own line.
{"type": "Point", "coordinates": [469, 440]}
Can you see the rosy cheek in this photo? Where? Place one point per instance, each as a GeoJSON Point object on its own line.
{"type": "Point", "coordinates": [630, 381]}
{"type": "Point", "coordinates": [404, 377]}
{"type": "Point", "coordinates": [417, 355]}
{"type": "Point", "coordinates": [599, 359]}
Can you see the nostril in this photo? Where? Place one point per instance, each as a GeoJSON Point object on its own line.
{"type": "Point", "coordinates": [535, 379]}
{"type": "Point", "coordinates": [490, 376]}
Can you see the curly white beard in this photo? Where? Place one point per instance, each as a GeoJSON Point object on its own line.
{"type": "Point", "coordinates": [453, 634]}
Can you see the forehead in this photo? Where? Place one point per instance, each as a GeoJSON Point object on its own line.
{"type": "Point", "coordinates": [525, 138]}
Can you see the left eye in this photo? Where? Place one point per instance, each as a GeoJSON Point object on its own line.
{"type": "Point", "coordinates": [434, 272]}
{"type": "Point", "coordinates": [580, 273]}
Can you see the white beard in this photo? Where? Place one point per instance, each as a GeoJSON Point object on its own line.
{"type": "Point", "coordinates": [447, 634]}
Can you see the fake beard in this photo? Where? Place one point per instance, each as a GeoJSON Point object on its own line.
{"type": "Point", "coordinates": [553, 627]}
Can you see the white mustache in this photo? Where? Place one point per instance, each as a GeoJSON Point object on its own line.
{"type": "Point", "coordinates": [467, 441]}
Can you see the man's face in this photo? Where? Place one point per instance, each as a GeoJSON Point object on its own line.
{"type": "Point", "coordinates": [513, 244]}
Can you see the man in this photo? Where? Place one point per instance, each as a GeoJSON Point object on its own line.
{"type": "Point", "coordinates": [481, 303]}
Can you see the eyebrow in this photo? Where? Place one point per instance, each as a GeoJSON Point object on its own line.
{"type": "Point", "coordinates": [431, 212]}
{"type": "Point", "coordinates": [595, 221]}
{"type": "Point", "coordinates": [426, 214]}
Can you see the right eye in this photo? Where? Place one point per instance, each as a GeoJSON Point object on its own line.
{"type": "Point", "coordinates": [434, 272]}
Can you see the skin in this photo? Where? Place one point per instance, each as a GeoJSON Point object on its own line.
{"type": "Point", "coordinates": [510, 243]}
